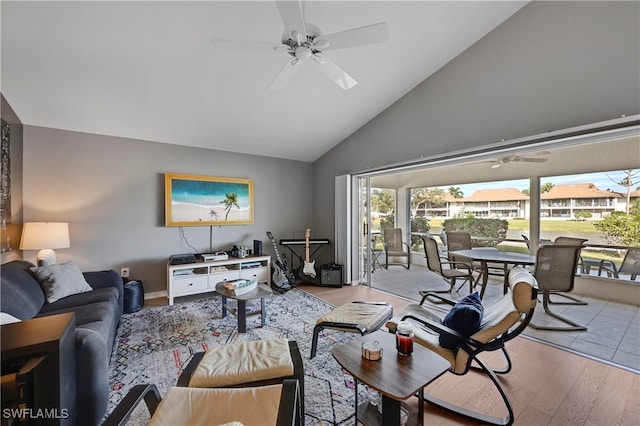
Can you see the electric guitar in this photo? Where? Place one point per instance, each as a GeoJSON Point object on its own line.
{"type": "Point", "coordinates": [309, 268]}
{"type": "Point", "coordinates": [282, 279]}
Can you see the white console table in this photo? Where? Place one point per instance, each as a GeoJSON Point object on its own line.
{"type": "Point", "coordinates": [202, 277]}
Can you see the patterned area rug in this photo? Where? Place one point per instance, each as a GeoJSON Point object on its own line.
{"type": "Point", "coordinates": [154, 344]}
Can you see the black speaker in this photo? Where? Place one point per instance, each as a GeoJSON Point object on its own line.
{"type": "Point", "coordinates": [257, 248]}
{"type": "Point", "coordinates": [331, 275]}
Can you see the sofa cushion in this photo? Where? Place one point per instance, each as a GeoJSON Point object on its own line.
{"type": "Point", "coordinates": [22, 296]}
{"type": "Point", "coordinates": [107, 279]}
{"type": "Point", "coordinates": [61, 280]}
{"type": "Point", "coordinates": [108, 294]}
{"type": "Point", "coordinates": [99, 317]}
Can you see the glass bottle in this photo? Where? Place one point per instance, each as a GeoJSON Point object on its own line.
{"type": "Point", "coordinates": [404, 338]}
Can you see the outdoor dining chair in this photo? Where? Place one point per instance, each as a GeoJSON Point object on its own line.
{"type": "Point", "coordinates": [460, 240]}
{"type": "Point", "coordinates": [449, 270]}
{"type": "Point", "coordinates": [555, 272]}
{"type": "Point", "coordinates": [581, 265]}
{"type": "Point", "coordinates": [395, 247]}
{"type": "Point", "coordinates": [630, 265]}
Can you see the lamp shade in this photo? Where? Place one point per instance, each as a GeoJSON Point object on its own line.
{"type": "Point", "coordinates": [45, 235]}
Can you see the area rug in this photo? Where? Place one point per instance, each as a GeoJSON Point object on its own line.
{"type": "Point", "coordinates": [155, 344]}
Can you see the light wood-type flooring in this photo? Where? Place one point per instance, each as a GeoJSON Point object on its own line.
{"type": "Point", "coordinates": [547, 386]}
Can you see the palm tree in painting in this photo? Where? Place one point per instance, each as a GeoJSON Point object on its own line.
{"type": "Point", "coordinates": [229, 202]}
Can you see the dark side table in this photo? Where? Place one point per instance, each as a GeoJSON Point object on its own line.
{"type": "Point", "coordinates": [395, 376]}
{"type": "Point", "coordinates": [54, 384]}
{"type": "Point", "coordinates": [240, 310]}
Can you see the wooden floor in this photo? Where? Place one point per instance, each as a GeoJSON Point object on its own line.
{"type": "Point", "coordinates": [547, 386]}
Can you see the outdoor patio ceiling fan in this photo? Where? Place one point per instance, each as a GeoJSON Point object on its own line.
{"type": "Point", "coordinates": [500, 161]}
{"type": "Point", "coordinates": [305, 42]}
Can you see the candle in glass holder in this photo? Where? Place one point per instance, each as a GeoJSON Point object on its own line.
{"type": "Point", "coordinates": [404, 338]}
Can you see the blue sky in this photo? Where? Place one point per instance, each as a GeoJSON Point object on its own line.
{"type": "Point", "coordinates": [600, 179]}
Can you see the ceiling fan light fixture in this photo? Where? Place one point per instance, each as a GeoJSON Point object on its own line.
{"type": "Point", "coordinates": [303, 53]}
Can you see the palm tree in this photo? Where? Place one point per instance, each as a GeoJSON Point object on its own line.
{"type": "Point", "coordinates": [229, 202]}
{"type": "Point", "coordinates": [456, 192]}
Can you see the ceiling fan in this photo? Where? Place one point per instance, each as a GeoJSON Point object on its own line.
{"type": "Point", "coordinates": [499, 161]}
{"type": "Point", "coordinates": [306, 43]}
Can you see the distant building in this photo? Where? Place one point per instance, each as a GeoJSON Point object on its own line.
{"type": "Point", "coordinates": [564, 201]}
{"type": "Point", "coordinates": [561, 202]}
{"type": "Point", "coordinates": [444, 210]}
{"type": "Point", "coordinates": [496, 203]}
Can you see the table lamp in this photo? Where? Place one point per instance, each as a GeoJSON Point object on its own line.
{"type": "Point", "coordinates": [45, 236]}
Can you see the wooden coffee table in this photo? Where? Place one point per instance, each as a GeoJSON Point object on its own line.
{"type": "Point", "coordinates": [395, 376]}
{"type": "Point", "coordinates": [240, 311]}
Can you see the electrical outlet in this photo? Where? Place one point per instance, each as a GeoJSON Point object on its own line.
{"type": "Point", "coordinates": [124, 272]}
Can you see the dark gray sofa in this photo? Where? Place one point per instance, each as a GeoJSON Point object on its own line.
{"type": "Point", "coordinates": [97, 314]}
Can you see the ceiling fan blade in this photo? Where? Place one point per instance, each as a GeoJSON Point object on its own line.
{"type": "Point", "coordinates": [334, 72]}
{"type": "Point", "coordinates": [286, 73]}
{"type": "Point", "coordinates": [370, 34]}
{"type": "Point", "coordinates": [532, 160]}
{"type": "Point", "coordinates": [292, 17]}
{"type": "Point", "coordinates": [242, 44]}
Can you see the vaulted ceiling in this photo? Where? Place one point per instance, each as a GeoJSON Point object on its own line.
{"type": "Point", "coordinates": [148, 70]}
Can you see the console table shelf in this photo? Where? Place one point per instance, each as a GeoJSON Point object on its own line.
{"type": "Point", "coordinates": [202, 277]}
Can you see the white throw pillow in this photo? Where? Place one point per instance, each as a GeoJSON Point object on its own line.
{"type": "Point", "coordinates": [6, 318]}
{"type": "Point", "coordinates": [61, 280]}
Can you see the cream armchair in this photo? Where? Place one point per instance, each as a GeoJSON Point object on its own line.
{"type": "Point", "coordinates": [277, 405]}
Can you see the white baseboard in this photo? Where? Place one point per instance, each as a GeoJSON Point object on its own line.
{"type": "Point", "coordinates": [156, 294]}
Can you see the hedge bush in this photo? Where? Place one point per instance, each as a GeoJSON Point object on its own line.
{"type": "Point", "coordinates": [496, 229]}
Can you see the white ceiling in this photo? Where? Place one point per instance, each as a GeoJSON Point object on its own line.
{"type": "Point", "coordinates": [148, 70]}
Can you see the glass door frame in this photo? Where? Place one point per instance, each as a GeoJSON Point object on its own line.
{"type": "Point", "coordinates": [364, 229]}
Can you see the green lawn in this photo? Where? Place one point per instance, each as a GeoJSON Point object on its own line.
{"type": "Point", "coordinates": [554, 225]}
{"type": "Point", "coordinates": [545, 225]}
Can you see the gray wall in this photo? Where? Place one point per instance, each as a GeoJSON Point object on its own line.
{"type": "Point", "coordinates": [14, 226]}
{"type": "Point", "coordinates": [111, 191]}
{"type": "Point", "coordinates": [553, 65]}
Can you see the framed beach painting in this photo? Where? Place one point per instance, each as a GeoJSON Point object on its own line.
{"type": "Point", "coordinates": [205, 200]}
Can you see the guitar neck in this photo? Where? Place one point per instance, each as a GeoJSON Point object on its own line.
{"type": "Point", "coordinates": [275, 247]}
{"type": "Point", "coordinates": [307, 234]}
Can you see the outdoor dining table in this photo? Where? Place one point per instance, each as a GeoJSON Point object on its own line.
{"type": "Point", "coordinates": [488, 255]}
